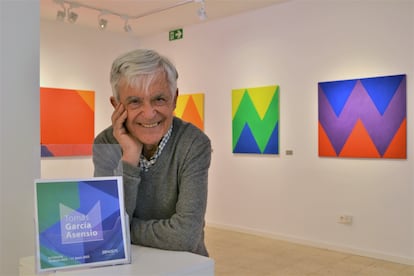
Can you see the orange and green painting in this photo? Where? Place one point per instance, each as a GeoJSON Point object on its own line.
{"type": "Point", "coordinates": [255, 120]}
{"type": "Point", "coordinates": [190, 108]}
{"type": "Point", "coordinates": [66, 122]}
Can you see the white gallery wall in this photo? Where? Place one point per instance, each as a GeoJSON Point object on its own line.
{"type": "Point", "coordinates": [295, 44]}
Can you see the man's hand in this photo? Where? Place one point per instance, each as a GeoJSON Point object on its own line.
{"type": "Point", "coordinates": [131, 147]}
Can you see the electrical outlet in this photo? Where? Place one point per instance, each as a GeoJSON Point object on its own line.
{"type": "Point", "coordinates": [345, 219]}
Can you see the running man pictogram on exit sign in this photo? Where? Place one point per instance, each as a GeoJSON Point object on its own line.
{"type": "Point", "coordinates": [176, 34]}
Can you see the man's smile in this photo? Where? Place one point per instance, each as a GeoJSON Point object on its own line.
{"type": "Point", "coordinates": [149, 125]}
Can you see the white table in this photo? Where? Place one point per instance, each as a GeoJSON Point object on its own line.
{"type": "Point", "coordinates": [145, 261]}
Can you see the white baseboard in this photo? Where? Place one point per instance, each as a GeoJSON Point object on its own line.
{"type": "Point", "coordinates": [318, 244]}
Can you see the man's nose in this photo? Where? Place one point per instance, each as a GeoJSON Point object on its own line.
{"type": "Point", "coordinates": [148, 110]}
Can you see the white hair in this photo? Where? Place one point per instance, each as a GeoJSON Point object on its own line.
{"type": "Point", "coordinates": [139, 67]}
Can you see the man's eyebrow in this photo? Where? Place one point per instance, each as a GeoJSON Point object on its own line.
{"type": "Point", "coordinates": [160, 94]}
{"type": "Point", "coordinates": [132, 98]}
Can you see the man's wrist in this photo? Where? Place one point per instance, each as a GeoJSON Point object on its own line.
{"type": "Point", "coordinates": [131, 158]}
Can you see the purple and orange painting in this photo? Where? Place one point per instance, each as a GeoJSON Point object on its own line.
{"type": "Point", "coordinates": [363, 118]}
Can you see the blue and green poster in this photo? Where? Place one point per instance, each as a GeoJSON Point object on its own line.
{"type": "Point", "coordinates": [80, 223]}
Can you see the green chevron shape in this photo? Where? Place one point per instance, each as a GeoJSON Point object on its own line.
{"type": "Point", "coordinates": [261, 129]}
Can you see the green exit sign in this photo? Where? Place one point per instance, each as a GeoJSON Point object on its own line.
{"type": "Point", "coordinates": [176, 34]}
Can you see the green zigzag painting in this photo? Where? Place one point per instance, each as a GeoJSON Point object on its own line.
{"type": "Point", "coordinates": [255, 113]}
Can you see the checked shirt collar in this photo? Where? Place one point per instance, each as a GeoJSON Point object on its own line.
{"type": "Point", "coordinates": [145, 164]}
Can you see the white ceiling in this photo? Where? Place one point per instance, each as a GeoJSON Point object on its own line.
{"type": "Point", "coordinates": [157, 21]}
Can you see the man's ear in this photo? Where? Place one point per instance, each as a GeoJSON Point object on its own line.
{"type": "Point", "coordinates": [175, 98]}
{"type": "Point", "coordinates": [113, 101]}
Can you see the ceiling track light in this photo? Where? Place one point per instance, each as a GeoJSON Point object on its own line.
{"type": "Point", "coordinates": [72, 16]}
{"type": "Point", "coordinates": [127, 27]}
{"type": "Point", "coordinates": [102, 22]}
{"type": "Point", "coordinates": [61, 14]}
{"type": "Point", "coordinates": [202, 10]}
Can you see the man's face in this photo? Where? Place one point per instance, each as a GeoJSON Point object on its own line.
{"type": "Point", "coordinates": [150, 111]}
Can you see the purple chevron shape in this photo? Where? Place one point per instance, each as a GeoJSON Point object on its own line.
{"type": "Point", "coordinates": [336, 128]}
{"type": "Point", "coordinates": [359, 105]}
{"type": "Point", "coordinates": [383, 128]}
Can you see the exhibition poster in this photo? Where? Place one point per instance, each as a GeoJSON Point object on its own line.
{"type": "Point", "coordinates": [80, 223]}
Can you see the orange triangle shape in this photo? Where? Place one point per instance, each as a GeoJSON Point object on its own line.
{"type": "Point", "coordinates": [359, 143]}
{"type": "Point", "coordinates": [325, 145]}
{"type": "Point", "coordinates": [398, 145]}
{"type": "Point", "coordinates": [191, 114]}
{"type": "Point", "coordinates": [88, 97]}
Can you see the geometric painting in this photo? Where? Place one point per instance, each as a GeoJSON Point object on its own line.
{"type": "Point", "coordinates": [190, 108]}
{"type": "Point", "coordinates": [363, 118]}
{"type": "Point", "coordinates": [66, 122]}
{"type": "Point", "coordinates": [255, 120]}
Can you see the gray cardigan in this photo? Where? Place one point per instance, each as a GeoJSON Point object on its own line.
{"type": "Point", "coordinates": [167, 203]}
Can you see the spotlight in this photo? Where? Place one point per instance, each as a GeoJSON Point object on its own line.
{"type": "Point", "coordinates": [127, 27]}
{"type": "Point", "coordinates": [60, 16]}
{"type": "Point", "coordinates": [72, 17]}
{"type": "Point", "coordinates": [202, 10]}
{"type": "Point", "coordinates": [102, 23]}
{"type": "Point", "coordinates": [202, 13]}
